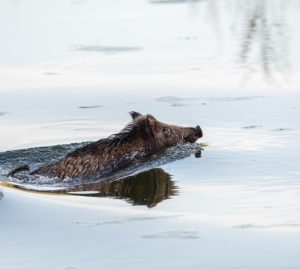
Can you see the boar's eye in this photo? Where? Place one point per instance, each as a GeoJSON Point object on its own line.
{"type": "Point", "coordinates": [165, 131]}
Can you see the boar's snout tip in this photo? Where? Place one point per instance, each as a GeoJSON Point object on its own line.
{"type": "Point", "coordinates": [199, 131]}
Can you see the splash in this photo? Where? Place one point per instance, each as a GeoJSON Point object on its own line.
{"type": "Point", "coordinates": [35, 157]}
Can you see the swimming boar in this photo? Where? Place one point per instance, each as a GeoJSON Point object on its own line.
{"type": "Point", "coordinates": [141, 138]}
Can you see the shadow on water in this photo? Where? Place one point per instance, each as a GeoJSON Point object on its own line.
{"type": "Point", "coordinates": [146, 188]}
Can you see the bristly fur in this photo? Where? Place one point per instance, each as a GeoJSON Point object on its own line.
{"type": "Point", "coordinates": [140, 138]}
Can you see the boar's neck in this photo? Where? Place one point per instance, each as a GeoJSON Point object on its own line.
{"type": "Point", "coordinates": [100, 158]}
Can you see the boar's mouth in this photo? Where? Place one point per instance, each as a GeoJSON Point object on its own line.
{"type": "Point", "coordinates": [194, 134]}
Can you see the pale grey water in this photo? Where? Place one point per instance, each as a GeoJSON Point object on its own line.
{"type": "Point", "coordinates": [70, 71]}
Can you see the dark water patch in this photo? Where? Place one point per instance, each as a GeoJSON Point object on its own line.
{"type": "Point", "coordinates": [177, 234]}
{"type": "Point", "coordinates": [172, 99]}
{"type": "Point", "coordinates": [107, 49]}
{"type": "Point", "coordinates": [252, 126]}
{"type": "Point", "coordinates": [176, 101]}
{"type": "Point", "coordinates": [90, 107]}
{"type": "Point", "coordinates": [281, 129]}
{"type": "Point", "coordinates": [126, 220]}
{"type": "Point", "coordinates": [99, 223]}
{"type": "Point", "coordinates": [1, 195]}
{"type": "Point", "coordinates": [178, 104]}
{"type": "Point", "coordinates": [51, 73]}
{"type": "Point", "coordinates": [255, 226]}
{"type": "Point", "coordinates": [185, 101]}
{"type": "Point", "coordinates": [234, 99]}
{"type": "Point", "coordinates": [2, 113]}
{"type": "Point", "coordinates": [173, 1]}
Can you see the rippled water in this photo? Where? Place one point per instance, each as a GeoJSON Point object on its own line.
{"type": "Point", "coordinates": [71, 71]}
{"type": "Point", "coordinates": [40, 156]}
{"type": "Point", "coordinates": [145, 188]}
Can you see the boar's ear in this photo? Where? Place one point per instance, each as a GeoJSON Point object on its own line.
{"type": "Point", "coordinates": [151, 121]}
{"type": "Point", "coordinates": [134, 114]}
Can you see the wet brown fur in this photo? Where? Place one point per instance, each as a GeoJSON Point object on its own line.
{"type": "Point", "coordinates": [144, 136]}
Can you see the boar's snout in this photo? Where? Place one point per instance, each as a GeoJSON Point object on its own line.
{"type": "Point", "coordinates": [199, 132]}
{"type": "Point", "coordinates": [193, 134]}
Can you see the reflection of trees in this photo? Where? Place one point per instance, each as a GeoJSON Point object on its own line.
{"type": "Point", "coordinates": [263, 33]}
{"type": "Point", "coordinates": [261, 29]}
{"type": "Point", "coordinates": [147, 188]}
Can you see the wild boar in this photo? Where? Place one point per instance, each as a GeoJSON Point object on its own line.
{"type": "Point", "coordinates": [141, 138]}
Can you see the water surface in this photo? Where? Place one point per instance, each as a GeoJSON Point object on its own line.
{"type": "Point", "coordinates": [71, 71]}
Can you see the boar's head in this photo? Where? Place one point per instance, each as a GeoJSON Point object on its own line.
{"type": "Point", "coordinates": [162, 134]}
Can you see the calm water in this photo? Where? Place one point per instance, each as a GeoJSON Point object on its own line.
{"type": "Point", "coordinates": [70, 72]}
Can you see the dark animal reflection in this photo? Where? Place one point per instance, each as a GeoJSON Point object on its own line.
{"type": "Point", "coordinates": [147, 188]}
